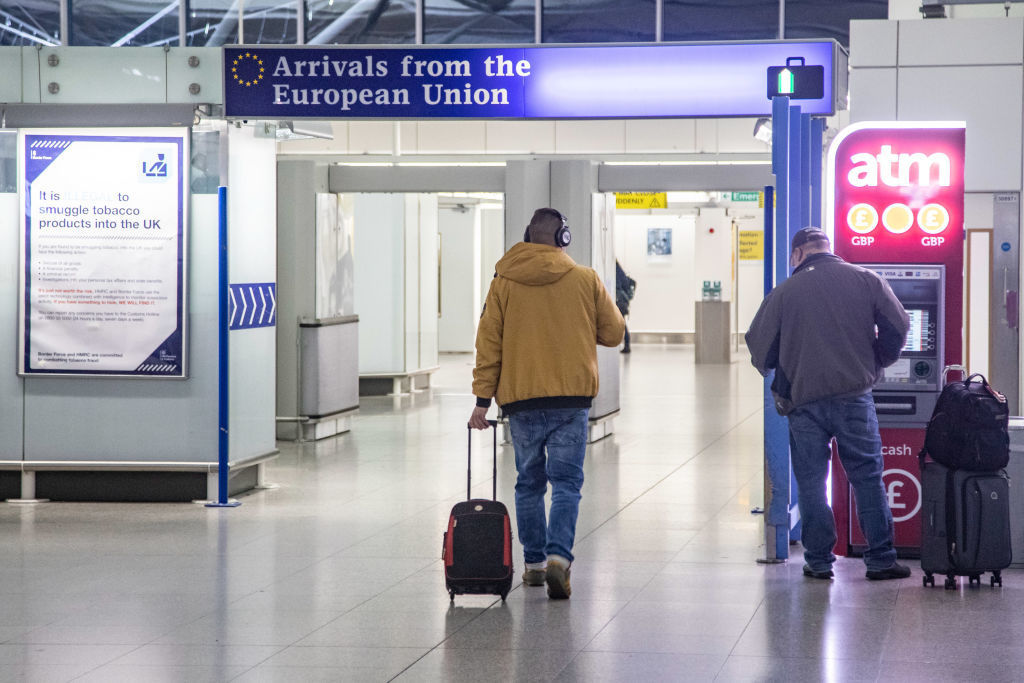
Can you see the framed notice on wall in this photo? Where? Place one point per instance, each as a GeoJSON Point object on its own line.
{"type": "Point", "coordinates": [103, 248]}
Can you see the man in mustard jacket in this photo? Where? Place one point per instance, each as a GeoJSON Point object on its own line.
{"type": "Point", "coordinates": [536, 353]}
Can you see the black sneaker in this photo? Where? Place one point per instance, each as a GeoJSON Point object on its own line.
{"type": "Point", "coordinates": [896, 571]}
{"type": "Point", "coordinates": [810, 573]}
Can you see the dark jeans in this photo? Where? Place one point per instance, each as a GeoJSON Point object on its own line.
{"type": "Point", "coordinates": [853, 423]}
{"type": "Point", "coordinates": [563, 434]}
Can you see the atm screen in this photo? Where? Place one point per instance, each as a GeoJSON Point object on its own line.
{"type": "Point", "coordinates": [917, 336]}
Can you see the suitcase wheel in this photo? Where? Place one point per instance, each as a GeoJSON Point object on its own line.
{"type": "Point", "coordinates": [950, 583]}
{"type": "Point", "coordinates": [974, 578]}
{"type": "Point", "coordinates": [928, 579]}
{"type": "Point", "coordinates": [996, 579]}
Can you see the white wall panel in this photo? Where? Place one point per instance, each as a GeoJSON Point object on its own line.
{"type": "Point", "coordinates": [978, 211]}
{"type": "Point", "coordinates": [661, 135]}
{"type": "Point", "coordinates": [872, 43]}
{"type": "Point", "coordinates": [974, 41]}
{"type": "Point", "coordinates": [450, 137]}
{"type": "Point", "coordinates": [581, 137]}
{"type": "Point", "coordinates": [520, 137]}
{"type": "Point", "coordinates": [873, 95]}
{"type": "Point", "coordinates": [379, 280]}
{"type": "Point", "coordinates": [425, 227]}
{"type": "Point", "coordinates": [11, 399]}
{"type": "Point", "coordinates": [706, 135]}
{"type": "Point", "coordinates": [83, 418]}
{"type": "Point", "coordinates": [736, 136]}
{"type": "Point", "coordinates": [664, 290]}
{"type": "Point", "coordinates": [371, 137]}
{"type": "Point", "coordinates": [712, 252]}
{"type": "Point", "coordinates": [459, 232]}
{"type": "Point", "coordinates": [989, 99]}
{"type": "Point", "coordinates": [252, 249]}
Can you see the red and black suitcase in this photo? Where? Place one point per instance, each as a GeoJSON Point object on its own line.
{"type": "Point", "coordinates": [477, 550]}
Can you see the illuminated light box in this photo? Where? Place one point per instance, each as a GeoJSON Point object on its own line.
{"type": "Point", "coordinates": [896, 188]}
{"type": "Point", "coordinates": [520, 82]}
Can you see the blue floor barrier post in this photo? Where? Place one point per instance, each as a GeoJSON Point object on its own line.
{"type": "Point", "coordinates": [776, 431]}
{"type": "Point", "coordinates": [222, 355]}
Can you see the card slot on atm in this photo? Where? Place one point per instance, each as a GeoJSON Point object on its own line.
{"type": "Point", "coordinates": [895, 405]}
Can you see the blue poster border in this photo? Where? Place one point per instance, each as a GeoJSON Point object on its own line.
{"type": "Point", "coordinates": [169, 359]}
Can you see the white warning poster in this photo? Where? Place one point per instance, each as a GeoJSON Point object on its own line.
{"type": "Point", "coordinates": [103, 252]}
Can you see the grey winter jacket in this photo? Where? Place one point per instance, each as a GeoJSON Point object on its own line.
{"type": "Point", "coordinates": [817, 330]}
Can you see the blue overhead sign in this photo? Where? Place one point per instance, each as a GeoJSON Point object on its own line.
{"type": "Point", "coordinates": [540, 82]}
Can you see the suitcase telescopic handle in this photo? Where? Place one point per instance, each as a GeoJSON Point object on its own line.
{"type": "Point", "coordinates": [953, 368]}
{"type": "Point", "coordinates": [469, 462]}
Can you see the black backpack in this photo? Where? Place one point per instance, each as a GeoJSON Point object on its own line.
{"type": "Point", "coordinates": [967, 430]}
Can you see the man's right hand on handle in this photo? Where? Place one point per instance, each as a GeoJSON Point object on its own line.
{"type": "Point", "coordinates": [478, 420]}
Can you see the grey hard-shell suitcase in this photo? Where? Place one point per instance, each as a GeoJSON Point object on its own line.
{"type": "Point", "coordinates": [965, 519]}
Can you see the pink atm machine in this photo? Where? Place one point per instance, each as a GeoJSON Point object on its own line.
{"type": "Point", "coordinates": [895, 206]}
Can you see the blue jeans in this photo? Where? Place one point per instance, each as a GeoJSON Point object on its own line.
{"type": "Point", "coordinates": [853, 423]}
{"type": "Point", "coordinates": [563, 432]}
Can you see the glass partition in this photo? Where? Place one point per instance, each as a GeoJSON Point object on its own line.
{"type": "Point", "coordinates": [813, 19]}
{"type": "Point", "coordinates": [115, 24]}
{"type": "Point", "coordinates": [331, 22]}
{"type": "Point", "coordinates": [685, 20]}
{"type": "Point", "coordinates": [598, 21]}
{"type": "Point", "coordinates": [30, 22]}
{"type": "Point", "coordinates": [499, 21]}
{"type": "Point", "coordinates": [268, 22]}
{"type": "Point", "coordinates": [212, 23]}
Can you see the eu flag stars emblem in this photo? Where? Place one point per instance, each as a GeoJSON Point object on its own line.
{"type": "Point", "coordinates": [247, 69]}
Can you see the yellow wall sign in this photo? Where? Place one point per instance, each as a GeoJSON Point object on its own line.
{"type": "Point", "coordinates": [641, 200]}
{"type": "Point", "coordinates": [751, 245]}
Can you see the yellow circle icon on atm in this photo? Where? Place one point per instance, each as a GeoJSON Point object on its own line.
{"type": "Point", "coordinates": [862, 218]}
{"type": "Point", "coordinates": [933, 218]}
{"type": "Point", "coordinates": [897, 218]}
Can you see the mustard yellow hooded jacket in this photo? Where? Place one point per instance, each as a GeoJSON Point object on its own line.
{"type": "Point", "coordinates": [536, 344]}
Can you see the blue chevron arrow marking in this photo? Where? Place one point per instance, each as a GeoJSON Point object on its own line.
{"type": "Point", "coordinates": [251, 305]}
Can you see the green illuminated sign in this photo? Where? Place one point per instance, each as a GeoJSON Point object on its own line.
{"type": "Point", "coordinates": [796, 80]}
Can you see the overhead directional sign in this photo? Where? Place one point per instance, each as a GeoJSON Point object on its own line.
{"type": "Point", "coordinates": [514, 82]}
{"type": "Point", "coordinates": [252, 305]}
{"type": "Point", "coordinates": [796, 80]}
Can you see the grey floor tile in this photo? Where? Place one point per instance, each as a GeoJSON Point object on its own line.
{"type": "Point", "coordinates": [163, 655]}
{"type": "Point", "coordinates": [336, 575]}
{"type": "Point", "coordinates": [795, 669]}
{"type": "Point", "coordinates": [483, 664]}
{"type": "Point", "coordinates": [39, 673]}
{"type": "Point", "coordinates": [115, 673]}
{"type": "Point", "coordinates": [646, 666]}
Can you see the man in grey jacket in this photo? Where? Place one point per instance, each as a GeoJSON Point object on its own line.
{"type": "Point", "coordinates": [827, 331]}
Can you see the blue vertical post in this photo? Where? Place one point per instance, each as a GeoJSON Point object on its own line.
{"type": "Point", "coordinates": [769, 236]}
{"type": "Point", "coordinates": [817, 137]}
{"type": "Point", "coordinates": [222, 353]}
{"type": "Point", "coordinates": [796, 194]}
{"type": "Point", "coordinates": [776, 430]}
{"type": "Point", "coordinates": [799, 214]}
{"type": "Point", "coordinates": [806, 153]}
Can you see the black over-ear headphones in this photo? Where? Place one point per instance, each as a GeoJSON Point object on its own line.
{"type": "Point", "coordinates": [562, 236]}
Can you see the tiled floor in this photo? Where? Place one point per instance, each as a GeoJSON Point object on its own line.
{"type": "Point", "coordinates": [335, 575]}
